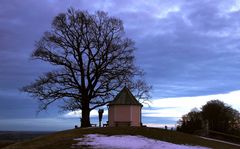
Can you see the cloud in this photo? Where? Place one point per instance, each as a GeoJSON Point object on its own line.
{"type": "Point", "coordinates": [185, 47]}
{"type": "Point", "coordinates": [176, 107]}
{"type": "Point", "coordinates": [166, 112]}
{"type": "Point", "coordinates": [192, 59]}
{"type": "Point", "coordinates": [188, 49]}
{"type": "Point", "coordinates": [77, 114]}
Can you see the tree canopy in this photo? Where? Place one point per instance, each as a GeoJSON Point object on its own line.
{"type": "Point", "coordinates": [220, 116]}
{"type": "Point", "coordinates": [216, 115]}
{"type": "Point", "coordinates": [191, 121]}
{"type": "Point", "coordinates": [93, 61]}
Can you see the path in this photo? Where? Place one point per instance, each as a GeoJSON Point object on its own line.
{"type": "Point", "coordinates": [221, 141]}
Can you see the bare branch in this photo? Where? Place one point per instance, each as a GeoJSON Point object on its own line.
{"type": "Point", "coordinates": [93, 60]}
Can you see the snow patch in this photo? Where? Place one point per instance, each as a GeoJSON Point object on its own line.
{"type": "Point", "coordinates": [128, 142]}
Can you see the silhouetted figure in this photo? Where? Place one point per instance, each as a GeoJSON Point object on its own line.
{"type": "Point", "coordinates": [100, 114]}
{"type": "Point", "coordinates": [165, 127]}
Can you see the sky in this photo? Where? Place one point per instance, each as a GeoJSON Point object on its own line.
{"type": "Point", "coordinates": [190, 51]}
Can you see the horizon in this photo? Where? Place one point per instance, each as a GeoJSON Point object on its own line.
{"type": "Point", "coordinates": [190, 52]}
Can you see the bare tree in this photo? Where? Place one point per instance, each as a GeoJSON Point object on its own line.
{"type": "Point", "coordinates": [93, 59]}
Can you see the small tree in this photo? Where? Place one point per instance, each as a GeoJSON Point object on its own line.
{"type": "Point", "coordinates": [93, 60]}
{"type": "Point", "coordinates": [190, 122]}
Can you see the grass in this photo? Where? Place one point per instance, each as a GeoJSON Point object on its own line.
{"type": "Point", "coordinates": [64, 139]}
{"type": "Point", "coordinates": [224, 136]}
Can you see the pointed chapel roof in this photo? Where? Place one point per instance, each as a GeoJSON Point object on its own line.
{"type": "Point", "coordinates": [125, 97]}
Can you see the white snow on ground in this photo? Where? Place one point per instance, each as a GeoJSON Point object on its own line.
{"type": "Point", "coordinates": [128, 142]}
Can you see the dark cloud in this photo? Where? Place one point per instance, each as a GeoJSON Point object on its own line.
{"type": "Point", "coordinates": [187, 48]}
{"type": "Point", "coordinates": [192, 51]}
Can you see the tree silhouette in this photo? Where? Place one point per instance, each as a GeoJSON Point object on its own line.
{"type": "Point", "coordinates": [191, 121]}
{"type": "Point", "coordinates": [215, 114]}
{"type": "Point", "coordinates": [220, 116]}
{"type": "Point", "coordinates": [93, 61]}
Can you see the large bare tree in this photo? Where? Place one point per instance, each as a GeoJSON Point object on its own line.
{"type": "Point", "coordinates": [93, 59]}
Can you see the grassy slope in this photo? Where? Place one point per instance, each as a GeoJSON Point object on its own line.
{"type": "Point", "coordinates": [64, 139]}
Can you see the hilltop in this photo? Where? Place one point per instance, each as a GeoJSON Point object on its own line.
{"type": "Point", "coordinates": [65, 139]}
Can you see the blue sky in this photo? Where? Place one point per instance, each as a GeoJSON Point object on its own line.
{"type": "Point", "coordinates": [190, 51]}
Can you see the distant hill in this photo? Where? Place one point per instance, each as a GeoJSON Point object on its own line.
{"type": "Point", "coordinates": [21, 135]}
{"type": "Point", "coordinates": [10, 137]}
{"type": "Point", "coordinates": [65, 139]}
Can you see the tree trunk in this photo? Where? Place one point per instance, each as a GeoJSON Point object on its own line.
{"type": "Point", "coordinates": [85, 120]}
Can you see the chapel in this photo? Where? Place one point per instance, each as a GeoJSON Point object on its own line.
{"type": "Point", "coordinates": [124, 110]}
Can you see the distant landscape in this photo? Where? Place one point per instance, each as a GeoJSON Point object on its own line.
{"type": "Point", "coordinates": [10, 137]}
